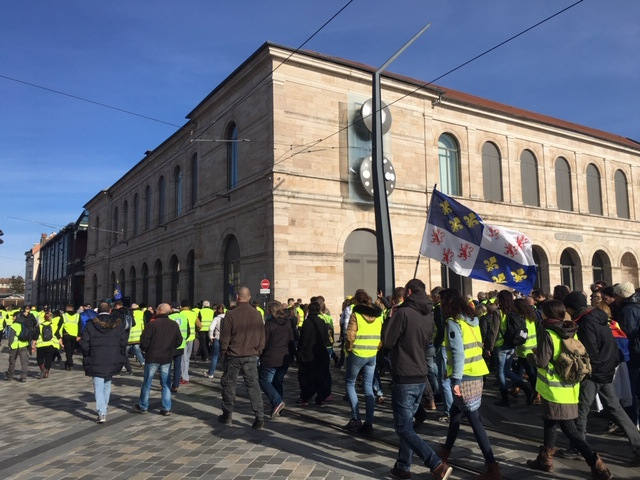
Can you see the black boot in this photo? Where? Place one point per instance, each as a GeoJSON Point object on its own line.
{"type": "Point", "coordinates": [504, 402]}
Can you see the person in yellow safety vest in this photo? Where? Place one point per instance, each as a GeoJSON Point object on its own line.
{"type": "Point", "coordinates": [47, 343]}
{"type": "Point", "coordinates": [206, 315]}
{"type": "Point", "coordinates": [559, 399]}
{"type": "Point", "coordinates": [5, 321]}
{"type": "Point", "coordinates": [363, 342]}
{"type": "Point", "coordinates": [182, 321]}
{"type": "Point", "coordinates": [299, 314]}
{"type": "Point", "coordinates": [466, 369]}
{"type": "Point", "coordinates": [70, 332]}
{"type": "Point", "coordinates": [524, 308]}
{"type": "Point", "coordinates": [136, 332]}
{"type": "Point", "coordinates": [192, 318]}
{"type": "Point", "coordinates": [20, 348]}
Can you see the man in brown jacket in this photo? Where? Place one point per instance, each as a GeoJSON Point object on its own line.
{"type": "Point", "coordinates": [241, 344]}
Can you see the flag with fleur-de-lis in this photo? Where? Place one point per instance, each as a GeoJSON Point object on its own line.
{"type": "Point", "coordinates": [457, 237]}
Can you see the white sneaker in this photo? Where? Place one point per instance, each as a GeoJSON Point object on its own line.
{"type": "Point", "coordinates": [206, 374]}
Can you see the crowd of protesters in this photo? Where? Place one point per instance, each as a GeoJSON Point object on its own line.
{"type": "Point", "coordinates": [438, 346]}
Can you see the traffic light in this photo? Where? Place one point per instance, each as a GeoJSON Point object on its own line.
{"type": "Point", "coordinates": [1, 233]}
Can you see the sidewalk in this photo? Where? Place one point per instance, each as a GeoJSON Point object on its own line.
{"type": "Point", "coordinates": [49, 431]}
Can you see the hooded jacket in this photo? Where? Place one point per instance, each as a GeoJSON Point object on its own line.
{"type": "Point", "coordinates": [278, 343]}
{"type": "Point", "coordinates": [595, 334]}
{"type": "Point", "coordinates": [629, 320]}
{"type": "Point", "coordinates": [408, 334]}
{"type": "Point", "coordinates": [103, 343]}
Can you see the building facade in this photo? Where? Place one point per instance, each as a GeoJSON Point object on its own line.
{"type": "Point", "coordinates": [269, 178]}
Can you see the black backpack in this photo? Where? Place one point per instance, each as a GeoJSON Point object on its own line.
{"type": "Point", "coordinates": [47, 332]}
{"type": "Point", "coordinates": [28, 332]}
{"type": "Point", "coordinates": [516, 331]}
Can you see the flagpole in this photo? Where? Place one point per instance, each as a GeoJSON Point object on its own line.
{"type": "Point", "coordinates": [415, 274]}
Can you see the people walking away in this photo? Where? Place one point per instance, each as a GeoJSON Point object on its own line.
{"type": "Point", "coordinates": [192, 318]}
{"type": "Point", "coordinates": [214, 340]}
{"type": "Point", "coordinates": [314, 374]}
{"type": "Point", "coordinates": [279, 349]}
{"type": "Point", "coordinates": [466, 369]}
{"type": "Point", "coordinates": [137, 327]}
{"type": "Point", "coordinates": [70, 334]}
{"type": "Point", "coordinates": [183, 324]}
{"type": "Point", "coordinates": [23, 333]}
{"type": "Point", "coordinates": [559, 398]}
{"type": "Point", "coordinates": [120, 311]}
{"type": "Point", "coordinates": [241, 344]}
{"type": "Point", "coordinates": [104, 345]}
{"type": "Point", "coordinates": [159, 341]}
{"type": "Point", "coordinates": [595, 334]}
{"type": "Point", "coordinates": [408, 335]}
{"type": "Point", "coordinates": [205, 318]}
{"type": "Point", "coordinates": [362, 345]}
{"type": "Point", "coordinates": [47, 344]}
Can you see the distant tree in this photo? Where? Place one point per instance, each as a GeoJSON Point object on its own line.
{"type": "Point", "coordinates": [16, 284]}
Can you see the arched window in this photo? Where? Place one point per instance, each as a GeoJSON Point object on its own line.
{"type": "Point", "coordinates": [115, 225]}
{"type": "Point", "coordinates": [449, 162]}
{"type": "Point", "coordinates": [594, 191]}
{"type": "Point", "coordinates": [360, 261]}
{"type": "Point", "coordinates": [563, 185]}
{"type": "Point", "coordinates": [174, 266]}
{"type": "Point", "coordinates": [132, 282]}
{"type": "Point", "coordinates": [125, 220]}
{"type": "Point", "coordinates": [123, 283]}
{"type": "Point", "coordinates": [147, 208]}
{"type": "Point", "coordinates": [136, 213]}
{"type": "Point", "coordinates": [601, 267]}
{"type": "Point", "coordinates": [622, 194]}
{"type": "Point", "coordinates": [177, 191]}
{"type": "Point", "coordinates": [94, 282]}
{"type": "Point", "coordinates": [570, 269]}
{"type": "Point", "coordinates": [629, 268]}
{"type": "Point", "coordinates": [191, 277]}
{"type": "Point", "coordinates": [194, 179]}
{"type": "Point", "coordinates": [97, 232]}
{"type": "Point", "coordinates": [145, 284]}
{"type": "Point", "coordinates": [161, 200]}
{"type": "Point", "coordinates": [159, 285]}
{"type": "Point", "coordinates": [529, 178]}
{"type": "Point", "coordinates": [231, 280]}
{"type": "Point", "coordinates": [491, 173]}
{"type": "Point", "coordinates": [232, 155]}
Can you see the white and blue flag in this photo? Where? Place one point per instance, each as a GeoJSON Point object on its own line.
{"type": "Point", "coordinates": [457, 237]}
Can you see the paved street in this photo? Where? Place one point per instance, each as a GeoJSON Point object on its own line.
{"type": "Point", "coordinates": [49, 431]}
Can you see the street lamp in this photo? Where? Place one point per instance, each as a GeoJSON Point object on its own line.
{"type": "Point", "coordinates": [384, 242]}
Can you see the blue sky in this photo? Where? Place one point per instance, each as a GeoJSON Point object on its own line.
{"type": "Point", "coordinates": [160, 59]}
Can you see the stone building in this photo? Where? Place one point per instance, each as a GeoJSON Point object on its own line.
{"type": "Point", "coordinates": [268, 179]}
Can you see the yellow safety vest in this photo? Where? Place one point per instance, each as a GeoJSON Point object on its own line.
{"type": "Point", "coordinates": [502, 329]}
{"type": "Point", "coordinates": [367, 338]}
{"type": "Point", "coordinates": [15, 344]}
{"type": "Point", "coordinates": [54, 342]}
{"type": "Point", "coordinates": [206, 317]}
{"type": "Point", "coordinates": [191, 318]}
{"type": "Point", "coordinates": [182, 321]}
{"type": "Point", "coordinates": [136, 330]}
{"type": "Point", "coordinates": [549, 385]}
{"type": "Point", "coordinates": [300, 313]}
{"type": "Point", "coordinates": [474, 364]}
{"type": "Point", "coordinates": [70, 324]}
{"type": "Point", "coordinates": [532, 342]}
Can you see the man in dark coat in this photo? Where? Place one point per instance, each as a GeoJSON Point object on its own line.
{"type": "Point", "coordinates": [159, 341]}
{"type": "Point", "coordinates": [408, 335]}
{"type": "Point", "coordinates": [595, 334]}
{"type": "Point", "coordinates": [103, 344]}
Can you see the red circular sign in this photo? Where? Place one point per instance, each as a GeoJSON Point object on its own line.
{"type": "Point", "coordinates": [265, 284]}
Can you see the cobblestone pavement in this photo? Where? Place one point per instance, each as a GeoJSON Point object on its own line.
{"type": "Point", "coordinates": [49, 432]}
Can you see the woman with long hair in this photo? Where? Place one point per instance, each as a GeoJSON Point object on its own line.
{"type": "Point", "coordinates": [466, 369]}
{"type": "Point", "coordinates": [314, 375]}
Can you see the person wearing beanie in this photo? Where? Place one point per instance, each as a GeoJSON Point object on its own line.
{"type": "Point", "coordinates": [628, 316]}
{"type": "Point", "coordinates": [595, 334]}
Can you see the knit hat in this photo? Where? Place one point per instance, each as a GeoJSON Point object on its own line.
{"type": "Point", "coordinates": [206, 304]}
{"type": "Point", "coordinates": [575, 300]}
{"type": "Point", "coordinates": [624, 290]}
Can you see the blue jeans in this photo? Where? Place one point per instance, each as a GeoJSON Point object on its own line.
{"type": "Point", "coordinates": [177, 370]}
{"type": "Point", "coordinates": [405, 399]}
{"type": "Point", "coordinates": [102, 391]}
{"type": "Point", "coordinates": [503, 358]}
{"type": "Point", "coordinates": [367, 365]}
{"type": "Point", "coordinates": [445, 383]}
{"type": "Point", "coordinates": [137, 352]}
{"type": "Point", "coordinates": [271, 381]}
{"type": "Point", "coordinates": [215, 354]}
{"type": "Point", "coordinates": [150, 372]}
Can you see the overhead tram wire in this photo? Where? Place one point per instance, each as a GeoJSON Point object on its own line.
{"type": "Point", "coordinates": [316, 142]}
{"type": "Point", "coordinates": [93, 102]}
